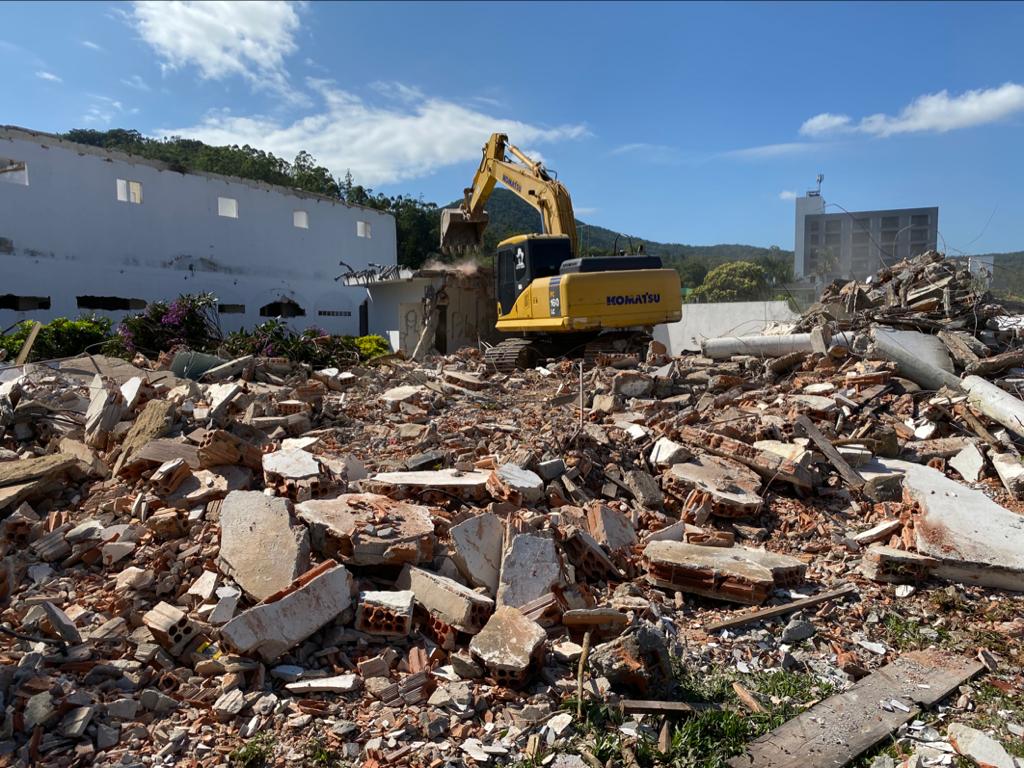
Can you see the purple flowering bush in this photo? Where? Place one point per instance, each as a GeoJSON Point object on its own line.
{"type": "Point", "coordinates": [188, 321]}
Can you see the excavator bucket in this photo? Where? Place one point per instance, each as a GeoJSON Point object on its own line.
{"type": "Point", "coordinates": [461, 232]}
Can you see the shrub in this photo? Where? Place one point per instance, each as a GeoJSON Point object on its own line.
{"type": "Point", "coordinates": [59, 338]}
{"type": "Point", "coordinates": [188, 321]}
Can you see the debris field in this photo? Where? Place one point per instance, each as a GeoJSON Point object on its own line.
{"type": "Point", "coordinates": [434, 564]}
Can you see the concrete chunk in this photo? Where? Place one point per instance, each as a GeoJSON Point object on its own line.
{"type": "Point", "coordinates": [368, 529]}
{"type": "Point", "coordinates": [477, 545]}
{"type": "Point", "coordinates": [515, 484]}
{"type": "Point", "coordinates": [632, 384]}
{"type": "Point", "coordinates": [982, 749]}
{"type": "Point", "coordinates": [469, 486]}
{"type": "Point", "coordinates": [508, 645]}
{"type": "Point", "coordinates": [896, 566]}
{"type": "Point", "coordinates": [734, 488]}
{"type": "Point", "coordinates": [336, 684]}
{"type": "Point", "coordinates": [291, 464]}
{"type": "Point", "coordinates": [529, 570]}
{"type": "Point", "coordinates": [454, 604]}
{"type": "Point", "coordinates": [61, 624]}
{"type": "Point", "coordinates": [610, 527]}
{"type": "Point", "coordinates": [272, 628]}
{"type": "Point", "coordinates": [260, 548]}
{"type": "Point", "coordinates": [1011, 473]}
{"type": "Point", "coordinates": [736, 574]}
{"type": "Point", "coordinates": [970, 463]}
{"type": "Point", "coordinates": [666, 452]}
{"type": "Point", "coordinates": [975, 540]}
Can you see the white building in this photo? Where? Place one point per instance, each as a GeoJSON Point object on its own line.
{"type": "Point", "coordinates": [85, 230]}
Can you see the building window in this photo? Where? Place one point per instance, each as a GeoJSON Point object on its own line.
{"type": "Point", "coordinates": [919, 220]}
{"type": "Point", "coordinates": [13, 172]}
{"type": "Point", "coordinates": [109, 303]}
{"type": "Point", "coordinates": [24, 303]}
{"type": "Point", "coordinates": [129, 191]}
{"type": "Point", "coordinates": [890, 222]}
{"type": "Point", "coordinates": [860, 238]}
{"type": "Point", "coordinates": [833, 226]}
{"type": "Point", "coordinates": [227, 207]}
{"type": "Point", "coordinates": [363, 229]}
{"type": "Point", "coordinates": [231, 309]}
{"type": "Point", "coordinates": [333, 313]}
{"type": "Point", "coordinates": [300, 219]}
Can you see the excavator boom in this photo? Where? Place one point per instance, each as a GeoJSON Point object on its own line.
{"type": "Point", "coordinates": [463, 227]}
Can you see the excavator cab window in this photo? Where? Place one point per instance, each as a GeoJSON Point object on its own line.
{"type": "Point", "coordinates": [524, 260]}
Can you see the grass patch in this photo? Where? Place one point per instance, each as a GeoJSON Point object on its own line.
{"type": "Point", "coordinates": [908, 634]}
{"type": "Point", "coordinates": [316, 754]}
{"type": "Point", "coordinates": [255, 753]}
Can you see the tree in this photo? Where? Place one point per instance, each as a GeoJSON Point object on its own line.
{"type": "Point", "coordinates": [691, 272]}
{"type": "Point", "coordinates": [736, 281]}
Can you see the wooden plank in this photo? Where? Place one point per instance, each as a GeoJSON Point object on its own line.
{"type": "Point", "coordinates": [849, 474]}
{"type": "Point", "coordinates": [958, 348]}
{"type": "Point", "coordinates": [26, 348]}
{"type": "Point", "coordinates": [835, 731]}
{"type": "Point", "coordinates": [648, 707]}
{"type": "Point", "coordinates": [992, 365]}
{"type": "Point", "coordinates": [780, 610]}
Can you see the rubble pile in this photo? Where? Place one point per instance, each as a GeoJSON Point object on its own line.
{"type": "Point", "coordinates": [428, 563]}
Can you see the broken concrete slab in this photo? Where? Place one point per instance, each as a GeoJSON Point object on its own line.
{"type": "Point", "coordinates": [271, 628]}
{"type": "Point", "coordinates": [610, 528]}
{"type": "Point", "coordinates": [291, 464]}
{"type": "Point", "coordinates": [638, 661]}
{"type": "Point", "coordinates": [979, 747]}
{"type": "Point", "coordinates": [736, 574]}
{"type": "Point", "coordinates": [632, 384]}
{"type": "Point", "coordinates": [644, 488]}
{"type": "Point", "coordinates": [205, 485]}
{"type": "Point", "coordinates": [369, 529]}
{"type": "Point", "coordinates": [768, 465]}
{"type": "Point", "coordinates": [516, 485]}
{"type": "Point", "coordinates": [667, 452]}
{"type": "Point", "coordinates": [1011, 472]}
{"type": "Point", "coordinates": [445, 599]}
{"type": "Point", "coordinates": [335, 684]}
{"type": "Point", "coordinates": [468, 486]}
{"type": "Point", "coordinates": [477, 545]}
{"type": "Point", "coordinates": [975, 540]}
{"type": "Point", "coordinates": [970, 463]}
{"type": "Point", "coordinates": [896, 566]}
{"type": "Point", "coordinates": [529, 570]}
{"type": "Point", "coordinates": [260, 546]}
{"type": "Point", "coordinates": [508, 645]}
{"type": "Point", "coordinates": [734, 488]}
{"type": "Point", "coordinates": [879, 532]}
{"type": "Point", "coordinates": [154, 421]}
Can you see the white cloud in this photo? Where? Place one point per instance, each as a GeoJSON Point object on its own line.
{"type": "Point", "coordinates": [656, 154]}
{"type": "Point", "coordinates": [788, 194]}
{"type": "Point", "coordinates": [933, 112]}
{"type": "Point", "coordinates": [582, 210]}
{"type": "Point", "coordinates": [48, 76]}
{"type": "Point", "coordinates": [222, 39]}
{"type": "Point", "coordinates": [823, 123]}
{"type": "Point", "coordinates": [102, 110]}
{"type": "Point", "coordinates": [770, 150]}
{"type": "Point", "coordinates": [92, 46]}
{"type": "Point", "coordinates": [380, 142]}
{"type": "Point", "coordinates": [136, 82]}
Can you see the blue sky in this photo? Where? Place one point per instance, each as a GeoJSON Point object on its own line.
{"type": "Point", "coordinates": [690, 123]}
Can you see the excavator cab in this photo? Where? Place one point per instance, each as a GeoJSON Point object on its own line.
{"type": "Point", "coordinates": [524, 258]}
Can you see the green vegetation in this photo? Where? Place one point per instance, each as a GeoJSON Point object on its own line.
{"type": "Point", "coordinates": [710, 738]}
{"type": "Point", "coordinates": [736, 281]}
{"type": "Point", "coordinates": [255, 753]}
{"type": "Point", "coordinates": [316, 754]}
{"type": "Point", "coordinates": [908, 634]}
{"type": "Point", "coordinates": [58, 338]}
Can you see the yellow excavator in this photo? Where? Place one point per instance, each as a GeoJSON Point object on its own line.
{"type": "Point", "coordinates": [550, 300]}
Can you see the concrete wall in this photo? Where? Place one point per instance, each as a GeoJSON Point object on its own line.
{"type": "Point", "coordinates": [805, 206]}
{"type": "Point", "coordinates": [396, 311]}
{"type": "Point", "coordinates": [65, 234]}
{"type": "Point", "coordinates": [709, 321]}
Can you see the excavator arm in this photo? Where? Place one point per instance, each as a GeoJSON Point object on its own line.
{"type": "Point", "coordinates": [463, 227]}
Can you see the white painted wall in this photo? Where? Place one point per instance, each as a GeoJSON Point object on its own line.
{"type": "Point", "coordinates": [709, 321]}
{"type": "Point", "coordinates": [66, 234]}
{"type": "Point", "coordinates": [805, 206]}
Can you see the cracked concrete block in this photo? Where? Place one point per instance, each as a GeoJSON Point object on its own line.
{"type": "Point", "coordinates": [1011, 472]}
{"type": "Point", "coordinates": [292, 464]}
{"type": "Point", "coordinates": [452, 603]}
{"type": "Point", "coordinates": [61, 624]}
{"type": "Point", "coordinates": [270, 629]}
{"type": "Point", "coordinates": [515, 484]}
{"type": "Point", "coordinates": [368, 529]}
{"type": "Point", "coordinates": [737, 574]}
{"type": "Point", "coordinates": [644, 488]}
{"type": "Point", "coordinates": [468, 486]}
{"type": "Point", "coordinates": [508, 645]}
{"type": "Point", "coordinates": [632, 384]}
{"type": "Point", "coordinates": [734, 489]}
{"type": "Point", "coordinates": [667, 452]}
{"type": "Point", "coordinates": [896, 566]}
{"type": "Point", "coordinates": [529, 570]}
{"type": "Point", "coordinates": [260, 547]}
{"type": "Point", "coordinates": [637, 661]}
{"type": "Point", "coordinates": [610, 528]}
{"type": "Point", "coordinates": [970, 463]}
{"type": "Point", "coordinates": [477, 545]}
{"type": "Point", "coordinates": [979, 747]}
{"type": "Point", "coordinates": [975, 540]}
{"type": "Point", "coordinates": [385, 613]}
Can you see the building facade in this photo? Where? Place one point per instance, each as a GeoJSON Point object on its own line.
{"type": "Point", "coordinates": [857, 244]}
{"type": "Point", "coordinates": [86, 230]}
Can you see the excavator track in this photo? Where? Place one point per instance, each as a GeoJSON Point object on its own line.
{"type": "Point", "coordinates": [511, 354]}
{"type": "Point", "coordinates": [609, 347]}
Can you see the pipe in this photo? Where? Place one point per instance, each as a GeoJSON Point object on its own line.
{"type": "Point", "coordinates": [998, 404]}
{"type": "Point", "coordinates": [765, 346]}
{"type": "Point", "coordinates": [916, 357]}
